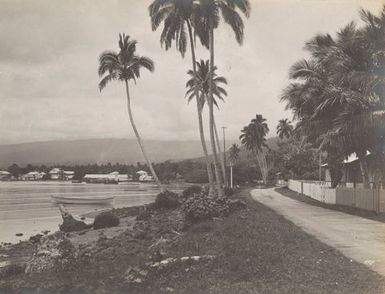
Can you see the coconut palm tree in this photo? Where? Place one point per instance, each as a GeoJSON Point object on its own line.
{"type": "Point", "coordinates": [125, 66]}
{"type": "Point", "coordinates": [233, 156]}
{"type": "Point", "coordinates": [253, 137]}
{"type": "Point", "coordinates": [176, 16]}
{"type": "Point", "coordinates": [339, 97]}
{"type": "Point", "coordinates": [206, 19]}
{"type": "Point", "coordinates": [284, 128]}
{"type": "Point", "coordinates": [203, 77]}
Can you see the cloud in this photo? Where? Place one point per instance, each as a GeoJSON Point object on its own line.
{"type": "Point", "coordinates": [48, 67]}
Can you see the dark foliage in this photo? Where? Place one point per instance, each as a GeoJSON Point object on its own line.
{"type": "Point", "coordinates": [167, 200]}
{"type": "Point", "coordinates": [106, 220]}
{"type": "Point", "coordinates": [191, 191]}
{"type": "Point", "coordinates": [196, 176]}
{"type": "Point", "coordinates": [202, 207]}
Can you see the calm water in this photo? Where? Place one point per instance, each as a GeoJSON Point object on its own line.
{"type": "Point", "coordinates": [26, 207]}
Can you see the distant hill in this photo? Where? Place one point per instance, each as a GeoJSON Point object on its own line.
{"type": "Point", "coordinates": [96, 151]}
{"type": "Point", "coordinates": [243, 155]}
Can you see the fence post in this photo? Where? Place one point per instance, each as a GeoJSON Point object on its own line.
{"type": "Point", "coordinates": [378, 198]}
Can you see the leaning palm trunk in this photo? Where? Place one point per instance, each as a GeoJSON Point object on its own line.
{"type": "Point", "coordinates": [263, 166]}
{"type": "Point", "coordinates": [211, 115]}
{"type": "Point", "coordinates": [140, 140]}
{"type": "Point", "coordinates": [200, 119]}
{"type": "Point", "coordinates": [204, 147]}
{"type": "Point", "coordinates": [221, 155]}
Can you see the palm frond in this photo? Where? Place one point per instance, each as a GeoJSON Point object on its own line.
{"type": "Point", "coordinates": [108, 78]}
{"type": "Point", "coordinates": [108, 61]}
{"type": "Point", "coordinates": [305, 69]}
{"type": "Point", "coordinates": [232, 18]}
{"type": "Point", "coordinates": [242, 5]}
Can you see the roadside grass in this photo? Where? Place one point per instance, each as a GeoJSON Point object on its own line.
{"type": "Point", "coordinates": [259, 251]}
{"type": "Point", "coordinates": [346, 209]}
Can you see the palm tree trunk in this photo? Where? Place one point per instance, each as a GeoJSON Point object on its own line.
{"type": "Point", "coordinates": [200, 119]}
{"type": "Point", "coordinates": [140, 140]}
{"type": "Point", "coordinates": [231, 176]}
{"type": "Point", "coordinates": [211, 114]}
{"type": "Point", "coordinates": [364, 169]}
{"type": "Point", "coordinates": [221, 155]}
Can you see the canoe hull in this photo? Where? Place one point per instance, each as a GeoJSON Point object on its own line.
{"type": "Point", "coordinates": [82, 200]}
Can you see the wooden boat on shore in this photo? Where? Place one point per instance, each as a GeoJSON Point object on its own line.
{"type": "Point", "coordinates": [82, 199]}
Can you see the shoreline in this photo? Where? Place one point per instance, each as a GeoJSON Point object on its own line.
{"type": "Point", "coordinates": [250, 249]}
{"type": "Point", "coordinates": [26, 207]}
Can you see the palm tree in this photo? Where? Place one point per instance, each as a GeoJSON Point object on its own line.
{"type": "Point", "coordinates": [176, 15]}
{"type": "Point", "coordinates": [253, 137]}
{"type": "Point", "coordinates": [284, 128]}
{"type": "Point", "coordinates": [233, 156]}
{"type": "Point", "coordinates": [125, 66]}
{"type": "Point", "coordinates": [338, 94]}
{"type": "Point", "coordinates": [207, 17]}
{"type": "Point", "coordinates": [203, 76]}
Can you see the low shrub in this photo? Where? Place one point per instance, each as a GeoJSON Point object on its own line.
{"type": "Point", "coordinates": [106, 220]}
{"type": "Point", "coordinates": [191, 191]}
{"type": "Point", "coordinates": [202, 207]}
{"type": "Point", "coordinates": [166, 199]}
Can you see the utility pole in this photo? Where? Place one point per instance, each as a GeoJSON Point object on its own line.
{"type": "Point", "coordinates": [224, 154]}
{"type": "Point", "coordinates": [320, 166]}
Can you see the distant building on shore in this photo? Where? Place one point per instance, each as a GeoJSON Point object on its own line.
{"type": "Point", "coordinates": [113, 177]}
{"type": "Point", "coordinates": [4, 175]}
{"type": "Point", "coordinates": [60, 174]}
{"type": "Point", "coordinates": [33, 176]}
{"type": "Point", "coordinates": [144, 176]}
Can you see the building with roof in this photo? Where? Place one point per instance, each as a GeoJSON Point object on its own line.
{"type": "Point", "coordinates": [113, 177]}
{"type": "Point", "coordinates": [4, 175]}
{"type": "Point", "coordinates": [60, 174]}
{"type": "Point", "coordinates": [33, 176]}
{"type": "Point", "coordinates": [351, 171]}
{"type": "Point", "coordinates": [144, 176]}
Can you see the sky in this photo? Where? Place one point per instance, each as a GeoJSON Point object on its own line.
{"type": "Point", "coordinates": [49, 53]}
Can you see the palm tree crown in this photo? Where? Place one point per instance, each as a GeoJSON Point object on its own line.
{"type": "Point", "coordinates": [124, 65]}
{"type": "Point", "coordinates": [254, 135]}
{"type": "Point", "coordinates": [234, 153]}
{"type": "Point", "coordinates": [207, 15]}
{"type": "Point", "coordinates": [175, 14]}
{"type": "Point", "coordinates": [203, 79]}
{"type": "Point", "coordinates": [284, 128]}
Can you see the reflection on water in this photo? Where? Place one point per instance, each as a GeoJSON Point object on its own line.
{"type": "Point", "coordinates": [28, 204]}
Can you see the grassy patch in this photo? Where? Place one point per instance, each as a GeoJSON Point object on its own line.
{"type": "Point", "coordinates": [259, 251]}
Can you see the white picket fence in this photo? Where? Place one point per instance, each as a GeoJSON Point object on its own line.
{"type": "Point", "coordinates": [319, 191]}
{"type": "Point", "coordinates": [369, 199]}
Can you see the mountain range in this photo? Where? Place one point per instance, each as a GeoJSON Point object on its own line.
{"type": "Point", "coordinates": [96, 151]}
{"type": "Point", "coordinates": [102, 151]}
